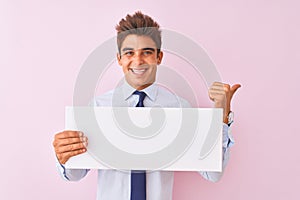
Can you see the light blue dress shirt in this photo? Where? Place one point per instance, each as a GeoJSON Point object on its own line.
{"type": "Point", "coordinates": [115, 185]}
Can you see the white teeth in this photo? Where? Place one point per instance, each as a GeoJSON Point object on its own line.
{"type": "Point", "coordinates": [138, 71]}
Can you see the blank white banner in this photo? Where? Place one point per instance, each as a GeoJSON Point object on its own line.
{"type": "Point", "coordinates": [130, 138]}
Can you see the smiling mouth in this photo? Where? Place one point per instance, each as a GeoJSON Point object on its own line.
{"type": "Point", "coordinates": [138, 71]}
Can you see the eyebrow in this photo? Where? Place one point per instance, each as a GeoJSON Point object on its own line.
{"type": "Point", "coordinates": [129, 49]}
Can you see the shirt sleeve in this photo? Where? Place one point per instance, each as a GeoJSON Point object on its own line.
{"type": "Point", "coordinates": [226, 144]}
{"type": "Point", "coordinates": [71, 174]}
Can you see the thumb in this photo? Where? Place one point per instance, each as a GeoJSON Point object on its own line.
{"type": "Point", "coordinates": [234, 88]}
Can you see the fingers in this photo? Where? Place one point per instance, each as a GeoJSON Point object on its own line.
{"type": "Point", "coordinates": [221, 87]}
{"type": "Point", "coordinates": [69, 143]}
{"type": "Point", "coordinates": [68, 134]}
{"type": "Point", "coordinates": [218, 87]}
{"type": "Point", "coordinates": [64, 157]}
{"type": "Point", "coordinates": [72, 147]}
{"type": "Point", "coordinates": [217, 91]}
{"type": "Point", "coordinates": [216, 94]}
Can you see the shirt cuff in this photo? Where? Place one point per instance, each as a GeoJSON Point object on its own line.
{"type": "Point", "coordinates": [62, 170]}
{"type": "Point", "coordinates": [228, 140]}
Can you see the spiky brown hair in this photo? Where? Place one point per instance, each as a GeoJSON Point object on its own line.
{"type": "Point", "coordinates": [138, 24]}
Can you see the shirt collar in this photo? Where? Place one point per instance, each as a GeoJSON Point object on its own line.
{"type": "Point", "coordinates": [151, 91]}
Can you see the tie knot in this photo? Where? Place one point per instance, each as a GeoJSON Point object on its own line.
{"type": "Point", "coordinates": [142, 96]}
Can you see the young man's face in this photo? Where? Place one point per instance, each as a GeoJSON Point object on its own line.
{"type": "Point", "coordinates": [139, 60]}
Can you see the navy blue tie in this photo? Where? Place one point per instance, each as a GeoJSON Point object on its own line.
{"type": "Point", "coordinates": [138, 178]}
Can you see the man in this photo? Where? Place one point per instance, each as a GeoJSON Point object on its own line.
{"type": "Point", "coordinates": [139, 43]}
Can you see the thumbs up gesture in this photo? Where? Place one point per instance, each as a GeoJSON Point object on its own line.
{"type": "Point", "coordinates": [221, 94]}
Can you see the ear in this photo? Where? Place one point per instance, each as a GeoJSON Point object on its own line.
{"type": "Point", "coordinates": [159, 57]}
{"type": "Point", "coordinates": [119, 59]}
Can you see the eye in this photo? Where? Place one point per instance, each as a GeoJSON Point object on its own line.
{"type": "Point", "coordinates": [147, 52]}
{"type": "Point", "coordinates": [129, 53]}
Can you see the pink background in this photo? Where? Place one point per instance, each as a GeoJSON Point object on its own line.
{"type": "Point", "coordinates": [256, 43]}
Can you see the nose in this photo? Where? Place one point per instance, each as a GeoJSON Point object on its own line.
{"type": "Point", "coordinates": [138, 58]}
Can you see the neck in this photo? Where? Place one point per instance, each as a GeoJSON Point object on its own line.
{"type": "Point", "coordinates": [143, 86]}
{"type": "Point", "coordinates": [140, 87]}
